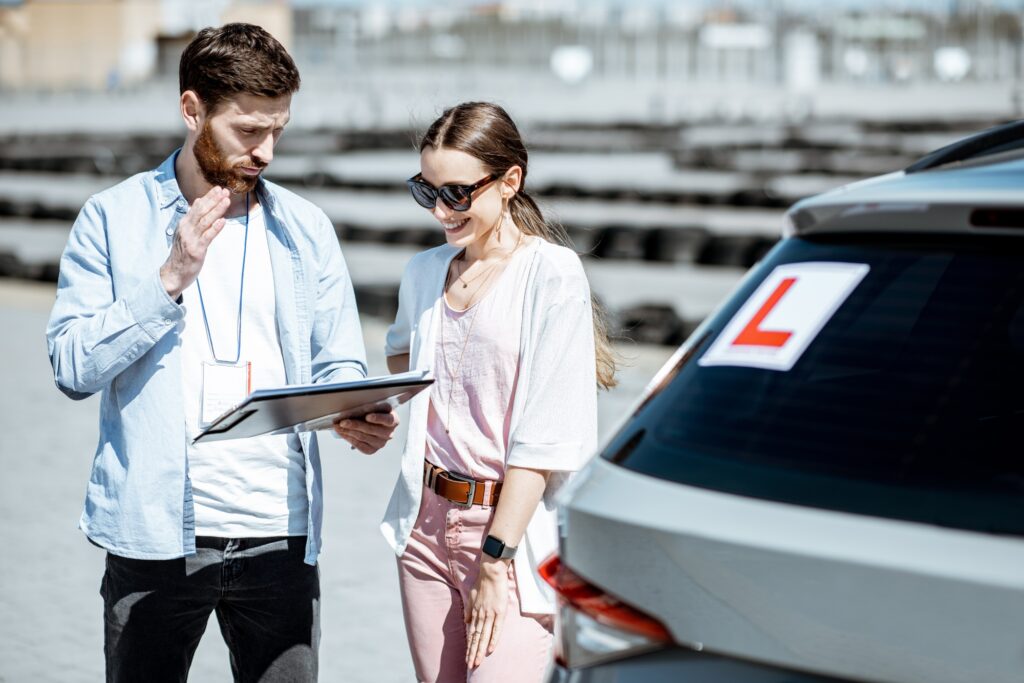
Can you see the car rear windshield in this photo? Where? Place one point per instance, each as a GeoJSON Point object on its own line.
{"type": "Point", "coordinates": [908, 403]}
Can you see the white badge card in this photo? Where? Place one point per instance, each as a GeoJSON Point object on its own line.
{"type": "Point", "coordinates": [225, 385]}
{"type": "Point", "coordinates": [784, 315]}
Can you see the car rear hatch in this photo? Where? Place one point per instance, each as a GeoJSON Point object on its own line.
{"type": "Point", "coordinates": [826, 475]}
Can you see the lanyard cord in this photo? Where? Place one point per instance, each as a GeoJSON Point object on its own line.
{"type": "Point", "coordinates": [241, 291]}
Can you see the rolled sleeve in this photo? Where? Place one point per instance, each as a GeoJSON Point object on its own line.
{"type": "Point", "coordinates": [153, 309]}
{"type": "Point", "coordinates": [552, 457]}
{"type": "Point", "coordinates": [347, 372]}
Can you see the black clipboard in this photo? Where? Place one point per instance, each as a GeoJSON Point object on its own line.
{"type": "Point", "coordinates": [309, 407]}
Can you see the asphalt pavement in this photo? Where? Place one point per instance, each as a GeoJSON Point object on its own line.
{"type": "Point", "coordinates": [50, 608]}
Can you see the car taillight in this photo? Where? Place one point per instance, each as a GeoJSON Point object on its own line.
{"type": "Point", "coordinates": [593, 626]}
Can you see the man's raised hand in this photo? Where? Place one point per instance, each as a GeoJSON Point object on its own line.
{"type": "Point", "coordinates": [203, 222]}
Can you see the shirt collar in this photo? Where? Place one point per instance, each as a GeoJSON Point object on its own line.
{"type": "Point", "coordinates": [168, 182]}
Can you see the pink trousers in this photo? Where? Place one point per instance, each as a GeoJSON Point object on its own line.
{"type": "Point", "coordinates": [436, 574]}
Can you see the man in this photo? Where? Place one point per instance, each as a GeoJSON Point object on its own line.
{"type": "Point", "coordinates": [180, 289]}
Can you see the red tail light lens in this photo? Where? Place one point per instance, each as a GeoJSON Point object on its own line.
{"type": "Point", "coordinates": [605, 609]}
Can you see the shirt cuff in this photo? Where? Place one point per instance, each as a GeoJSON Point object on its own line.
{"type": "Point", "coordinates": [347, 373]}
{"type": "Point", "coordinates": [552, 457]}
{"type": "Point", "coordinates": [153, 309]}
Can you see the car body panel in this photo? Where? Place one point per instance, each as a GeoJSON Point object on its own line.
{"type": "Point", "coordinates": [842, 594]}
{"type": "Point", "coordinates": [678, 664]}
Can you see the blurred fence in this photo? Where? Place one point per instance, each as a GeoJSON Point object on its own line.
{"type": "Point", "coordinates": [667, 218]}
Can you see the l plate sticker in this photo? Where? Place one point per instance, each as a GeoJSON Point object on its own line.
{"type": "Point", "coordinates": [784, 315]}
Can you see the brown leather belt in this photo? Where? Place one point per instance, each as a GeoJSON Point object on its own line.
{"type": "Point", "coordinates": [462, 491]}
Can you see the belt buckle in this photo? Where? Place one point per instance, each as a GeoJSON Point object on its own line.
{"type": "Point", "coordinates": [472, 489]}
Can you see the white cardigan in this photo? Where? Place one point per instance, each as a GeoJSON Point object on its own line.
{"type": "Point", "coordinates": [554, 411]}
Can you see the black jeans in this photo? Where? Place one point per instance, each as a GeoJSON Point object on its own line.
{"type": "Point", "coordinates": [266, 598]}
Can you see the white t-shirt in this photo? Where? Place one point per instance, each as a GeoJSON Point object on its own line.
{"type": "Point", "coordinates": [245, 487]}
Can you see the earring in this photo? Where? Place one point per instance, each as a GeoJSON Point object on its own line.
{"type": "Point", "coordinates": [504, 215]}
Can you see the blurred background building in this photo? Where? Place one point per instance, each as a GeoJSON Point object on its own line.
{"type": "Point", "coordinates": [48, 45]}
{"type": "Point", "coordinates": [109, 44]}
{"type": "Point", "coordinates": [775, 41]}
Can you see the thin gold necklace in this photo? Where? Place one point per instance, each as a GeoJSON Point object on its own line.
{"type": "Point", "coordinates": [466, 283]}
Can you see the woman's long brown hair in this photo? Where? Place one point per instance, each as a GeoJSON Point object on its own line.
{"type": "Point", "coordinates": [486, 132]}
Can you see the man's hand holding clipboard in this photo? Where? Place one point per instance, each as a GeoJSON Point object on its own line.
{"type": "Point", "coordinates": [369, 432]}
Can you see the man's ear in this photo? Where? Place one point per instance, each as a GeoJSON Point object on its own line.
{"type": "Point", "coordinates": [193, 111]}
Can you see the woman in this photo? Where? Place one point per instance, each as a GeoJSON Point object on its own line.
{"type": "Point", "coordinates": [502, 314]}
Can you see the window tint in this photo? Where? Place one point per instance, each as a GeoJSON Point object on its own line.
{"type": "Point", "coordinates": [908, 404]}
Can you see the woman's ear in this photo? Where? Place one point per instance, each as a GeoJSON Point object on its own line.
{"type": "Point", "coordinates": [511, 182]}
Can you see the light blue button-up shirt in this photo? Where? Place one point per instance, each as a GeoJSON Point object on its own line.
{"type": "Point", "coordinates": [114, 329]}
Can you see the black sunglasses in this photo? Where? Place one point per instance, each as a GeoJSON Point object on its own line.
{"type": "Point", "coordinates": [456, 197]}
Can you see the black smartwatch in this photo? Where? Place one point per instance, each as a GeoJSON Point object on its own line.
{"type": "Point", "coordinates": [497, 549]}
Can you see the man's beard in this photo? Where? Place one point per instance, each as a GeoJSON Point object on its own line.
{"type": "Point", "coordinates": [216, 171]}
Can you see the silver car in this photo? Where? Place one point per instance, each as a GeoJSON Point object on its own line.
{"type": "Point", "coordinates": [826, 481]}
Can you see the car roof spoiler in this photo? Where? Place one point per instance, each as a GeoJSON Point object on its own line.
{"type": "Point", "coordinates": [1002, 138]}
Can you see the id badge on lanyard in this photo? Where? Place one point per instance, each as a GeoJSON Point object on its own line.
{"type": "Point", "coordinates": [225, 383]}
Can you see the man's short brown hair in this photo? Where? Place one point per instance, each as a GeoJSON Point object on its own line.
{"type": "Point", "coordinates": [235, 59]}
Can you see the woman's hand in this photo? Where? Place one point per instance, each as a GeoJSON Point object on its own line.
{"type": "Point", "coordinates": [485, 613]}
